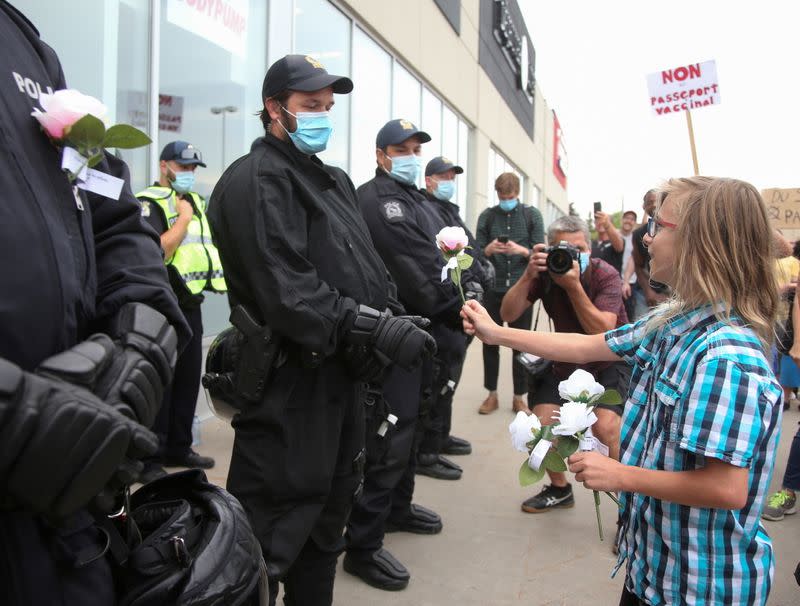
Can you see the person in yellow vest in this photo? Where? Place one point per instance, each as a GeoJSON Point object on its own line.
{"type": "Point", "coordinates": [178, 213]}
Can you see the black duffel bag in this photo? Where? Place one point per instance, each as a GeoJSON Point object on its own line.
{"type": "Point", "coordinates": [197, 547]}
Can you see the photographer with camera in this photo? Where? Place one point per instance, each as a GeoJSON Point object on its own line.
{"type": "Point", "coordinates": [581, 295]}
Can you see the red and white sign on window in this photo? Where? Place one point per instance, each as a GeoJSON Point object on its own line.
{"type": "Point", "coordinates": [684, 88]}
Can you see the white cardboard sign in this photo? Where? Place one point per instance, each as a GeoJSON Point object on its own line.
{"type": "Point", "coordinates": [683, 88]}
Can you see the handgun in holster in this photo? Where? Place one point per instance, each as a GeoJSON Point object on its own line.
{"type": "Point", "coordinates": [260, 353]}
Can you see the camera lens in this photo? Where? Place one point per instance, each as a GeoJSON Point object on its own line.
{"type": "Point", "coordinates": [559, 261]}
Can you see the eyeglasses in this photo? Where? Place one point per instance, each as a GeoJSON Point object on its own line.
{"type": "Point", "coordinates": [655, 225]}
{"type": "Point", "coordinates": [191, 153]}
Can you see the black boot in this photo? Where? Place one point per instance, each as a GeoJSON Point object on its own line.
{"type": "Point", "coordinates": [380, 569]}
{"type": "Point", "coordinates": [436, 466]}
{"type": "Point", "coordinates": [456, 446]}
{"type": "Point", "coordinates": [419, 520]}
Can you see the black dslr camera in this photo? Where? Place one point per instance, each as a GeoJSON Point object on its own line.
{"type": "Point", "coordinates": [560, 257]}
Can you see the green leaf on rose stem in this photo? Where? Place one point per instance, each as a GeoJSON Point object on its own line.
{"type": "Point", "coordinates": [95, 158]}
{"type": "Point", "coordinates": [464, 261]}
{"type": "Point", "coordinates": [528, 476]}
{"type": "Point", "coordinates": [566, 446]}
{"type": "Point", "coordinates": [86, 133]}
{"type": "Point", "coordinates": [125, 136]}
{"type": "Point", "coordinates": [553, 462]}
{"type": "Point", "coordinates": [610, 397]}
{"type": "Point", "coordinates": [547, 433]}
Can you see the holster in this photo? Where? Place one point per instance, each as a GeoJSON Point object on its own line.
{"type": "Point", "coordinates": [378, 423]}
{"type": "Point", "coordinates": [259, 354]}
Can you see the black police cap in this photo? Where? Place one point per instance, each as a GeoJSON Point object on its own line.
{"type": "Point", "coordinates": [395, 132]}
{"type": "Point", "coordinates": [183, 153]}
{"type": "Point", "coordinates": [440, 164]}
{"type": "Point", "coordinates": [303, 73]}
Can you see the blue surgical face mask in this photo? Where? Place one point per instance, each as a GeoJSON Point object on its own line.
{"type": "Point", "coordinates": [583, 261]}
{"type": "Point", "coordinates": [445, 190]}
{"type": "Point", "coordinates": [509, 205]}
{"type": "Point", "coordinates": [184, 181]}
{"type": "Point", "coordinates": [313, 131]}
{"type": "Point", "coordinates": [405, 168]}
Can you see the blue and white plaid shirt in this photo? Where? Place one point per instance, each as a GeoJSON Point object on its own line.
{"type": "Point", "coordinates": [699, 388]}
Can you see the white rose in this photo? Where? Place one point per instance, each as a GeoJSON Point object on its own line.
{"type": "Point", "coordinates": [451, 240]}
{"type": "Point", "coordinates": [64, 108]}
{"type": "Point", "coordinates": [578, 382]}
{"type": "Point", "coordinates": [573, 417]}
{"type": "Point", "coordinates": [521, 430]}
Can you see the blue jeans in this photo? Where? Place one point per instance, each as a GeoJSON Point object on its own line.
{"type": "Point", "coordinates": [791, 478]}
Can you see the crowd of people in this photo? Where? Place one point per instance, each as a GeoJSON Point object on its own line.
{"type": "Point", "coordinates": [344, 377]}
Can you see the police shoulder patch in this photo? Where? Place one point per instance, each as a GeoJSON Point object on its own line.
{"type": "Point", "coordinates": [393, 211]}
{"type": "Point", "coordinates": [145, 208]}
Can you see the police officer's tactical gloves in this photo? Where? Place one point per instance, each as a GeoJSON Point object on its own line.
{"type": "Point", "coordinates": [397, 338]}
{"type": "Point", "coordinates": [144, 349]}
{"type": "Point", "coordinates": [60, 444]}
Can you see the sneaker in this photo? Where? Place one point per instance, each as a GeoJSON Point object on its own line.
{"type": "Point", "coordinates": [782, 503]}
{"type": "Point", "coordinates": [551, 497]}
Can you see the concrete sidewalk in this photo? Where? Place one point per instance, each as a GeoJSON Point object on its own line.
{"type": "Point", "coordinates": [490, 552]}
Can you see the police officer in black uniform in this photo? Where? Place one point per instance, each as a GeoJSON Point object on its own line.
{"type": "Point", "coordinates": [84, 353]}
{"type": "Point", "coordinates": [440, 175]}
{"type": "Point", "coordinates": [298, 256]}
{"type": "Point", "coordinates": [404, 225]}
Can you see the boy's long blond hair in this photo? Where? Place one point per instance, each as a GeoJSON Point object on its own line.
{"type": "Point", "coordinates": [723, 253]}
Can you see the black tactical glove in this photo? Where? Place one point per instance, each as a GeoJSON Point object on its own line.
{"type": "Point", "coordinates": [145, 349]}
{"type": "Point", "coordinates": [59, 444]}
{"type": "Point", "coordinates": [397, 338]}
{"type": "Point", "coordinates": [473, 291]}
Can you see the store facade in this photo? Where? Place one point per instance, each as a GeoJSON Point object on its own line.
{"type": "Point", "coordinates": [464, 70]}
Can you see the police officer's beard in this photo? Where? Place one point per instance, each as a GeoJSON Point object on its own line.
{"type": "Point", "coordinates": [286, 123]}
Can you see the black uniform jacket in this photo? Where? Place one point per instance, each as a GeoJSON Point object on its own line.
{"type": "Point", "coordinates": [63, 270]}
{"type": "Point", "coordinates": [404, 225]}
{"type": "Point", "coordinates": [294, 246]}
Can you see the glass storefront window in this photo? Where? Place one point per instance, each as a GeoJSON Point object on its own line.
{"type": "Point", "coordinates": [110, 63]}
{"type": "Point", "coordinates": [405, 95]}
{"type": "Point", "coordinates": [371, 103]}
{"type": "Point", "coordinates": [323, 32]}
{"type": "Point", "coordinates": [212, 66]}
{"type": "Point", "coordinates": [431, 123]}
{"type": "Point", "coordinates": [463, 160]}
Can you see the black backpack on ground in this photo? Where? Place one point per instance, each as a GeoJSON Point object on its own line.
{"type": "Point", "coordinates": [194, 545]}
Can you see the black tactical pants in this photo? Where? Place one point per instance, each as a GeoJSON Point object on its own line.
{"type": "Point", "coordinates": [451, 346]}
{"type": "Point", "coordinates": [41, 564]}
{"type": "Point", "coordinates": [297, 462]}
{"type": "Point", "coordinates": [384, 494]}
{"type": "Point", "coordinates": [173, 424]}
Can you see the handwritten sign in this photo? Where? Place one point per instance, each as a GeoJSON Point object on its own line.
{"type": "Point", "coordinates": [783, 206]}
{"type": "Point", "coordinates": [684, 88]}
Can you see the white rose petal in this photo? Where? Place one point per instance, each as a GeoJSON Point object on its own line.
{"type": "Point", "coordinates": [452, 239]}
{"type": "Point", "coordinates": [573, 417]}
{"type": "Point", "coordinates": [578, 382]}
{"type": "Point", "coordinates": [521, 430]}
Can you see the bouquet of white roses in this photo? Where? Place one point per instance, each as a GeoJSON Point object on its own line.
{"type": "Point", "coordinates": [549, 446]}
{"type": "Point", "coordinates": [453, 242]}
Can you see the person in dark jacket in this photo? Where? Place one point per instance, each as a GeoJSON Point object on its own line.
{"type": "Point", "coordinates": [298, 256]}
{"type": "Point", "coordinates": [506, 234]}
{"type": "Point", "coordinates": [87, 344]}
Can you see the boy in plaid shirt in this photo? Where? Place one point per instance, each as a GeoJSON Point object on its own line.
{"type": "Point", "coordinates": [702, 418]}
